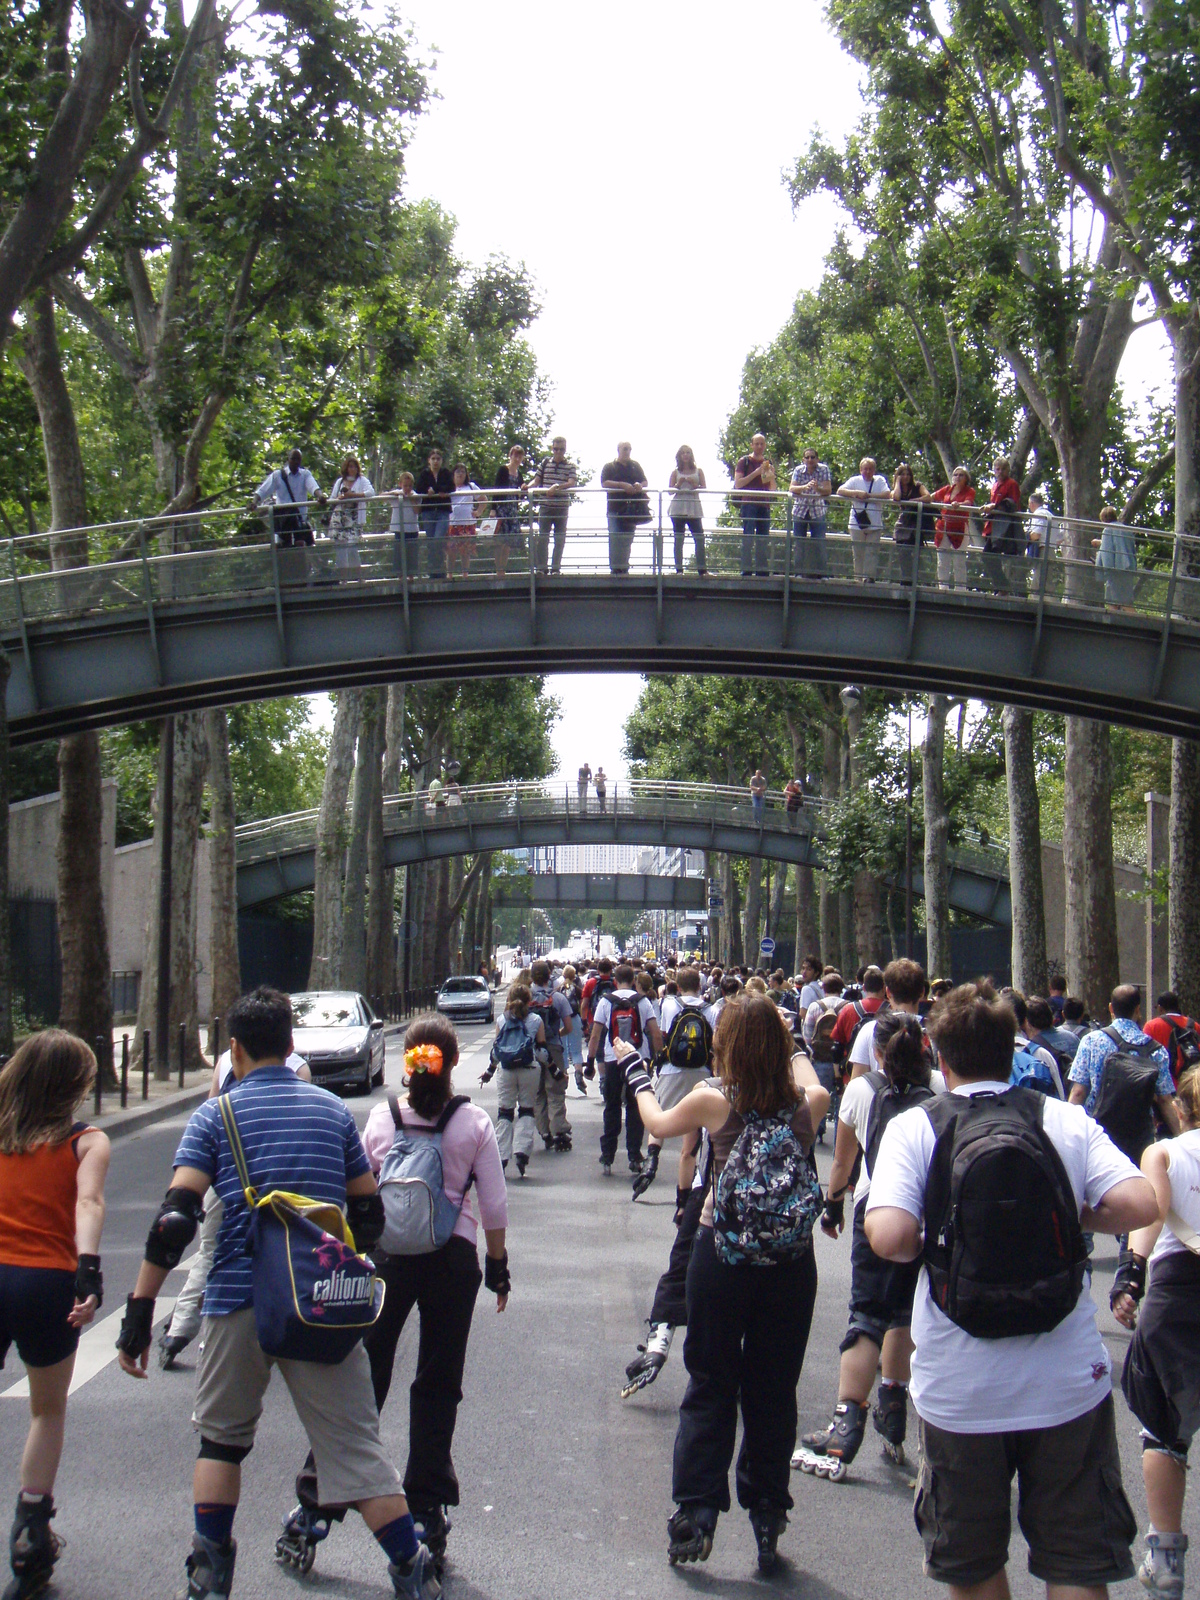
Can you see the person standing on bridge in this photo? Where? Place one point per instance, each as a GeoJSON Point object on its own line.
{"type": "Point", "coordinates": [811, 488]}
{"type": "Point", "coordinates": [510, 480]}
{"type": "Point", "coordinates": [866, 492]}
{"type": "Point", "coordinates": [291, 489]}
{"type": "Point", "coordinates": [686, 510]}
{"type": "Point", "coordinates": [625, 483]}
{"type": "Point", "coordinates": [585, 777]}
{"type": "Point", "coordinates": [1002, 536]}
{"type": "Point", "coordinates": [551, 487]}
{"type": "Point", "coordinates": [758, 795]}
{"type": "Point", "coordinates": [950, 529]}
{"type": "Point", "coordinates": [601, 782]}
{"type": "Point", "coordinates": [754, 477]}
{"type": "Point", "coordinates": [435, 486]}
{"type": "Point", "coordinates": [52, 1172]}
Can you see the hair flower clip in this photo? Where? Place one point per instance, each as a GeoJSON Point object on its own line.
{"type": "Point", "coordinates": [423, 1058]}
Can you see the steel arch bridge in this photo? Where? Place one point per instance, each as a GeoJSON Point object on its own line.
{"type": "Point", "coordinates": [204, 626]}
{"type": "Point", "coordinates": [276, 857]}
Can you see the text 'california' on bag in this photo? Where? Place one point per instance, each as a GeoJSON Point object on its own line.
{"type": "Point", "coordinates": [767, 1197]}
{"type": "Point", "coordinates": [314, 1295]}
{"type": "Point", "coordinates": [1003, 1247]}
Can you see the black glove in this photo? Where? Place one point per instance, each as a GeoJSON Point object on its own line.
{"type": "Point", "coordinates": [137, 1327]}
{"type": "Point", "coordinates": [636, 1076]}
{"type": "Point", "coordinates": [589, 1071]}
{"type": "Point", "coordinates": [89, 1280]}
{"type": "Point", "coordinates": [681, 1200]}
{"type": "Point", "coordinates": [556, 1072]}
{"type": "Point", "coordinates": [488, 1072]}
{"type": "Point", "coordinates": [835, 1212]}
{"type": "Point", "coordinates": [495, 1274]}
{"type": "Point", "coordinates": [1130, 1277]}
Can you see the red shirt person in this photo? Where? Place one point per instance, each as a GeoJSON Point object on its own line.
{"type": "Point", "coordinates": [950, 530]}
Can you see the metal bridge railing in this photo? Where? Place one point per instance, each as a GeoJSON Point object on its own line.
{"type": "Point", "coordinates": [207, 555]}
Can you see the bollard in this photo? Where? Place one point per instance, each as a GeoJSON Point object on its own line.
{"type": "Point", "coordinates": [214, 1044]}
{"type": "Point", "coordinates": [182, 1050]}
{"type": "Point", "coordinates": [124, 1070]}
{"type": "Point", "coordinates": [146, 1065]}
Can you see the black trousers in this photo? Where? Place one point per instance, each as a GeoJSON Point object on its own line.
{"type": "Point", "coordinates": [616, 1095]}
{"type": "Point", "coordinates": [443, 1287]}
{"type": "Point", "coordinates": [670, 1298]}
{"type": "Point", "coordinates": [747, 1331]}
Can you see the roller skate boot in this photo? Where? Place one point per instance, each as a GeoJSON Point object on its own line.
{"type": "Point", "coordinates": [1161, 1571]}
{"type": "Point", "coordinates": [170, 1346]}
{"type": "Point", "coordinates": [842, 1443]}
{"type": "Point", "coordinates": [690, 1532]}
{"type": "Point", "coordinates": [522, 1161]}
{"type": "Point", "coordinates": [33, 1547]}
{"type": "Point", "coordinates": [416, 1579]}
{"type": "Point", "coordinates": [308, 1524]}
{"type": "Point", "coordinates": [650, 1360]}
{"type": "Point", "coordinates": [891, 1420]}
{"type": "Point", "coordinates": [647, 1175]}
{"type": "Point", "coordinates": [210, 1568]}
{"type": "Point", "coordinates": [562, 1143]}
{"type": "Point", "coordinates": [433, 1530]}
{"type": "Point", "coordinates": [767, 1523]}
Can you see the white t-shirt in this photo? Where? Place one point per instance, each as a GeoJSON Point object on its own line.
{"type": "Point", "coordinates": [1039, 1380]}
{"type": "Point", "coordinates": [462, 506]}
{"type": "Point", "coordinates": [855, 1112]}
{"type": "Point", "coordinates": [810, 993]}
{"type": "Point", "coordinates": [1183, 1170]}
{"type": "Point", "coordinates": [225, 1068]}
{"type": "Point", "coordinates": [874, 508]}
{"type": "Point", "coordinates": [672, 1005]}
{"type": "Point", "coordinates": [603, 1014]}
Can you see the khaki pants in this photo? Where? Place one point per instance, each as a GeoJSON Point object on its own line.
{"type": "Point", "coordinates": [550, 1102]}
{"type": "Point", "coordinates": [335, 1404]}
{"type": "Point", "coordinates": [864, 548]}
{"type": "Point", "coordinates": [517, 1093]}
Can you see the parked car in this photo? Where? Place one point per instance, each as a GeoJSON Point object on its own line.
{"type": "Point", "coordinates": [466, 1000]}
{"type": "Point", "coordinates": [340, 1037]}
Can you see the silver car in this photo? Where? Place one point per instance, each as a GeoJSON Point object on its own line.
{"type": "Point", "coordinates": [466, 1000]}
{"type": "Point", "coordinates": [340, 1037]}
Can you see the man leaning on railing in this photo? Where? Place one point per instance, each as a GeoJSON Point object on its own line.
{"type": "Point", "coordinates": [290, 489]}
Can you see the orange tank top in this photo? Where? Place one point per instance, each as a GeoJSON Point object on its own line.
{"type": "Point", "coordinates": [37, 1205]}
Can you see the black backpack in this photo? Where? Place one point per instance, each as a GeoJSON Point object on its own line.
{"type": "Point", "coordinates": [625, 1018]}
{"type": "Point", "coordinates": [864, 1016]}
{"type": "Point", "coordinates": [886, 1105]}
{"type": "Point", "coordinates": [542, 1005]}
{"type": "Point", "coordinates": [1185, 1042]}
{"type": "Point", "coordinates": [689, 1039]}
{"type": "Point", "coordinates": [1124, 1105]}
{"type": "Point", "coordinates": [1003, 1246]}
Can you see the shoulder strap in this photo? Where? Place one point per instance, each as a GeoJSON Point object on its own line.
{"type": "Point", "coordinates": [287, 486]}
{"type": "Point", "coordinates": [225, 1105]}
{"type": "Point", "coordinates": [394, 1108]}
{"type": "Point", "coordinates": [452, 1106]}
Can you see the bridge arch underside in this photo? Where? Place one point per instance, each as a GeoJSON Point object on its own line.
{"type": "Point", "coordinates": [974, 889]}
{"type": "Point", "coordinates": [111, 668]}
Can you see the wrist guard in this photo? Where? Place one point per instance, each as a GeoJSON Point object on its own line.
{"type": "Point", "coordinates": [835, 1211]}
{"type": "Point", "coordinates": [488, 1073]}
{"type": "Point", "coordinates": [495, 1274]}
{"type": "Point", "coordinates": [589, 1071]}
{"type": "Point", "coordinates": [636, 1076]}
{"type": "Point", "coordinates": [1130, 1277]}
{"type": "Point", "coordinates": [137, 1327]}
{"type": "Point", "coordinates": [681, 1200]}
{"type": "Point", "coordinates": [89, 1280]}
{"type": "Point", "coordinates": [174, 1228]}
{"type": "Point", "coordinates": [364, 1213]}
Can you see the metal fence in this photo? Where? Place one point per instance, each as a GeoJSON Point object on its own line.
{"type": "Point", "coordinates": [203, 556]}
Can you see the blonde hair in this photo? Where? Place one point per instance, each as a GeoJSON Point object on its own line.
{"type": "Point", "coordinates": [685, 450]}
{"type": "Point", "coordinates": [755, 985]}
{"type": "Point", "coordinates": [41, 1087]}
{"type": "Point", "coordinates": [1188, 1095]}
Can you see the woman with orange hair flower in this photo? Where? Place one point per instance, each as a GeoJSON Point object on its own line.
{"type": "Point", "coordinates": [442, 1284]}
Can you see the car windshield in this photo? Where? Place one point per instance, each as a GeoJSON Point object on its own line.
{"type": "Point", "coordinates": [326, 1011]}
{"type": "Point", "coordinates": [462, 985]}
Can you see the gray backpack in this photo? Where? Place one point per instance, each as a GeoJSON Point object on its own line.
{"type": "Point", "coordinates": [418, 1218]}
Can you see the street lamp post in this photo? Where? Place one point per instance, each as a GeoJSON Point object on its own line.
{"type": "Point", "coordinates": [908, 851]}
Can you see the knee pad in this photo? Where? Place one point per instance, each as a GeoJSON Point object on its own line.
{"type": "Point", "coordinates": [507, 1114]}
{"type": "Point", "coordinates": [233, 1454]}
{"type": "Point", "coordinates": [525, 1111]}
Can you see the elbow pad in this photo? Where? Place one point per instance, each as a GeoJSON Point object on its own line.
{"type": "Point", "coordinates": [174, 1228]}
{"type": "Point", "coordinates": [364, 1212]}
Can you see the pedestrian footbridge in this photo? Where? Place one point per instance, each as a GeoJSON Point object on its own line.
{"type": "Point", "coordinates": [275, 857]}
{"type": "Point", "coordinates": [206, 610]}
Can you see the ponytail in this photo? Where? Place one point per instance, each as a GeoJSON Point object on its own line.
{"type": "Point", "coordinates": [899, 1042]}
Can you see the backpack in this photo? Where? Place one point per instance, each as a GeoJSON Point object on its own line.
{"type": "Point", "coordinates": [1003, 1247]}
{"type": "Point", "coordinates": [886, 1105]}
{"type": "Point", "coordinates": [1125, 1096]}
{"type": "Point", "coordinates": [513, 1047]}
{"type": "Point", "coordinates": [542, 1005]}
{"type": "Point", "coordinates": [1029, 1071]}
{"type": "Point", "coordinates": [689, 1039]}
{"type": "Point", "coordinates": [625, 1018]}
{"type": "Point", "coordinates": [767, 1197]}
{"type": "Point", "coordinates": [864, 1016]}
{"type": "Point", "coordinates": [575, 997]}
{"type": "Point", "coordinates": [1185, 1042]}
{"type": "Point", "coordinates": [825, 1049]}
{"type": "Point", "coordinates": [418, 1218]}
{"type": "Point", "coordinates": [604, 985]}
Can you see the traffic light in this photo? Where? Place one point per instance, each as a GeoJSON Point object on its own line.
{"type": "Point", "coordinates": [599, 919]}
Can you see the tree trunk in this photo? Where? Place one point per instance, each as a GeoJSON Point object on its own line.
{"type": "Point", "coordinates": [1091, 922]}
{"type": "Point", "coordinates": [191, 757]}
{"type": "Point", "coordinates": [326, 968]}
{"type": "Point", "coordinates": [440, 942]}
{"type": "Point", "coordinates": [6, 1027]}
{"type": "Point", "coordinates": [778, 895]}
{"type": "Point", "coordinates": [381, 924]}
{"type": "Point", "coordinates": [1029, 967]}
{"type": "Point", "coordinates": [430, 889]}
{"type": "Point", "coordinates": [845, 914]}
{"type": "Point", "coordinates": [222, 845]}
{"type": "Point", "coordinates": [833, 946]}
{"type": "Point", "coordinates": [753, 916]}
{"type": "Point", "coordinates": [469, 934]}
{"type": "Point", "coordinates": [937, 832]}
{"type": "Point", "coordinates": [86, 1007]}
{"type": "Point", "coordinates": [808, 933]}
{"type": "Point", "coordinates": [366, 786]}
{"type": "Point", "coordinates": [381, 910]}
{"type": "Point", "coordinates": [1183, 921]}
{"type": "Point", "coordinates": [733, 916]}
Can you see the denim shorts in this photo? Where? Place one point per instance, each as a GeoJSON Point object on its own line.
{"type": "Point", "coordinates": [34, 1305]}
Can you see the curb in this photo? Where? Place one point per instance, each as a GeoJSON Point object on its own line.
{"type": "Point", "coordinates": [134, 1121]}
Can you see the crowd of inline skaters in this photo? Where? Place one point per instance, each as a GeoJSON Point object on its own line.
{"type": "Point", "coordinates": [981, 1141]}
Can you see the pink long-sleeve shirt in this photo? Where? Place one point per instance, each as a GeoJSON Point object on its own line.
{"type": "Point", "coordinates": [468, 1145]}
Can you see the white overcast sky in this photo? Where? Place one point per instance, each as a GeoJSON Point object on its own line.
{"type": "Point", "coordinates": [631, 155]}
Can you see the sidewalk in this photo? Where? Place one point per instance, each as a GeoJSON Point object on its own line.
{"type": "Point", "coordinates": [165, 1100]}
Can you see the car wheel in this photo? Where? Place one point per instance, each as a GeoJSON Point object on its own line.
{"type": "Point", "coordinates": [365, 1085]}
{"type": "Point", "coordinates": [377, 1080]}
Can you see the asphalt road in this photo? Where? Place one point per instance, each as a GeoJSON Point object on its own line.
{"type": "Point", "coordinates": [565, 1487]}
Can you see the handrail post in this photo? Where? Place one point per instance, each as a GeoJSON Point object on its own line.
{"type": "Point", "coordinates": [658, 563]}
{"type": "Point", "coordinates": [146, 1065]}
{"type": "Point", "coordinates": [787, 576]}
{"type": "Point", "coordinates": [532, 593]}
{"type": "Point", "coordinates": [124, 1070]}
{"type": "Point", "coordinates": [1160, 665]}
{"type": "Point", "coordinates": [1043, 579]}
{"type": "Point", "coordinates": [283, 656]}
{"type": "Point", "coordinates": [20, 608]}
{"type": "Point", "coordinates": [149, 592]}
{"type": "Point", "coordinates": [916, 572]}
{"type": "Point", "coordinates": [404, 586]}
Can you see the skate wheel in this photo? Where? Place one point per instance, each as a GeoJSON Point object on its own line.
{"type": "Point", "coordinates": [807, 1464]}
{"type": "Point", "coordinates": [672, 1558]}
{"type": "Point", "coordinates": [837, 1472]}
{"type": "Point", "coordinates": [894, 1453]}
{"type": "Point", "coordinates": [706, 1545]}
{"type": "Point", "coordinates": [305, 1562]}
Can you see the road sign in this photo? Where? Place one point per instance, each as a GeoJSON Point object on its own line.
{"type": "Point", "coordinates": [767, 946]}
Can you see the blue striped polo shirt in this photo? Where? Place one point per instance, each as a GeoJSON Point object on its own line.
{"type": "Point", "coordinates": [295, 1137]}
